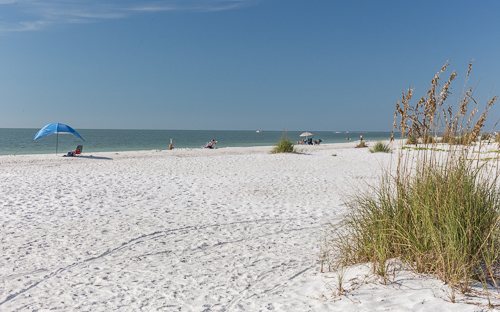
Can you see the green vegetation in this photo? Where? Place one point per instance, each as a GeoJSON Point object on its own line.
{"type": "Point", "coordinates": [412, 140]}
{"type": "Point", "coordinates": [439, 213]}
{"type": "Point", "coordinates": [442, 222]}
{"type": "Point", "coordinates": [381, 147]}
{"type": "Point", "coordinates": [361, 144]}
{"type": "Point", "coordinates": [284, 145]}
{"type": "Point", "coordinates": [485, 136]}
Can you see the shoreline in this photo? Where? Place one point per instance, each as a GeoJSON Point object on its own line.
{"type": "Point", "coordinates": [190, 151]}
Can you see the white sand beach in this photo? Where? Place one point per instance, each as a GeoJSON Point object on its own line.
{"type": "Point", "coordinates": [231, 229]}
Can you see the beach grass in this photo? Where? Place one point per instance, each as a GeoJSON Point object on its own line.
{"type": "Point", "coordinates": [362, 144]}
{"type": "Point", "coordinates": [437, 212]}
{"type": "Point", "coordinates": [381, 147]}
{"type": "Point", "coordinates": [412, 140]}
{"type": "Point", "coordinates": [485, 136]}
{"type": "Point", "coordinates": [284, 145]}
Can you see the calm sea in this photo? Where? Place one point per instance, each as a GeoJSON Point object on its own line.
{"type": "Point", "coordinates": [20, 141]}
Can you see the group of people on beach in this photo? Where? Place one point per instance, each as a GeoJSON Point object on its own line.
{"type": "Point", "coordinates": [310, 141]}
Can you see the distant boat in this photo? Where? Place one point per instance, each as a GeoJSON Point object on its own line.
{"type": "Point", "coordinates": [258, 131]}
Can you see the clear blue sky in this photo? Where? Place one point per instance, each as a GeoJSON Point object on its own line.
{"type": "Point", "coordinates": [236, 64]}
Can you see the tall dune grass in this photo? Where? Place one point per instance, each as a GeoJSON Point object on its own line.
{"type": "Point", "coordinates": [284, 145]}
{"type": "Point", "coordinates": [438, 212]}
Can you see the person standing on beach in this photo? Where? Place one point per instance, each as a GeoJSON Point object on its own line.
{"type": "Point", "coordinates": [361, 137]}
{"type": "Point", "coordinates": [171, 145]}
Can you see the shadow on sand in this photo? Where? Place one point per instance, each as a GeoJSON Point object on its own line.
{"type": "Point", "coordinates": [95, 157]}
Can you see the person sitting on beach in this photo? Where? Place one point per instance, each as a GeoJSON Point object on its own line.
{"type": "Point", "coordinates": [210, 144]}
{"type": "Point", "coordinates": [318, 142]}
{"type": "Point", "coordinates": [300, 142]}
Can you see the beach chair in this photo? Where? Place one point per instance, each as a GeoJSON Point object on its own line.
{"type": "Point", "coordinates": [78, 149]}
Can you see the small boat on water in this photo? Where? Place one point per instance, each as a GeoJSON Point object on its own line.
{"type": "Point", "coordinates": [258, 131]}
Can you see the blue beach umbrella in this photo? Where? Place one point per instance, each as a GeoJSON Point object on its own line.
{"type": "Point", "coordinates": [56, 128]}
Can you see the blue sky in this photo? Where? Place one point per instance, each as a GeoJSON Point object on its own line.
{"type": "Point", "coordinates": [236, 64]}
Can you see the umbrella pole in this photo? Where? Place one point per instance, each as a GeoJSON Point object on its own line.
{"type": "Point", "coordinates": [57, 142]}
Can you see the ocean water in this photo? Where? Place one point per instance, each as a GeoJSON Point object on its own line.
{"type": "Point", "coordinates": [20, 141]}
